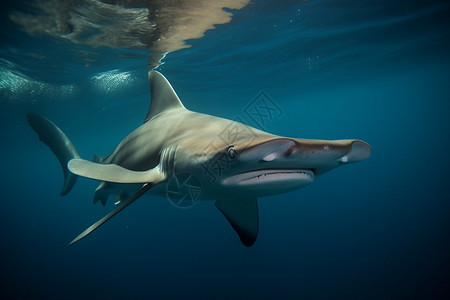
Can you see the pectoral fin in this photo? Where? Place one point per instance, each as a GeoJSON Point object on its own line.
{"type": "Point", "coordinates": [114, 173]}
{"type": "Point", "coordinates": [243, 217]}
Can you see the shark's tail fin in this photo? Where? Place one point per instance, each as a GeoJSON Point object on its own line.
{"type": "Point", "coordinates": [59, 143]}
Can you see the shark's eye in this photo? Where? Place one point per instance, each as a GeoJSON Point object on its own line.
{"type": "Point", "coordinates": [231, 152]}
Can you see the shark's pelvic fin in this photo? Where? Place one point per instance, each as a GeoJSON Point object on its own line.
{"type": "Point", "coordinates": [101, 194]}
{"type": "Point", "coordinates": [59, 143]}
{"type": "Point", "coordinates": [163, 95]}
{"type": "Point", "coordinates": [100, 222]}
{"type": "Point", "coordinates": [114, 173]}
{"type": "Point", "coordinates": [243, 217]}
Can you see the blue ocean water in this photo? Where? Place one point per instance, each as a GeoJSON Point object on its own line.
{"type": "Point", "coordinates": [376, 71]}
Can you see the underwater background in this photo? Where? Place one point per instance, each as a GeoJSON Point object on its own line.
{"type": "Point", "coordinates": [372, 70]}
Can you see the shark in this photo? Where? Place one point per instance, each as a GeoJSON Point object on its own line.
{"type": "Point", "coordinates": [208, 157]}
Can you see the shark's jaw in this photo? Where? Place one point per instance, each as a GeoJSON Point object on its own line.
{"type": "Point", "coordinates": [270, 181]}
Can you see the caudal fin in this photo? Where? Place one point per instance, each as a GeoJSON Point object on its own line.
{"type": "Point", "coordinates": [60, 145]}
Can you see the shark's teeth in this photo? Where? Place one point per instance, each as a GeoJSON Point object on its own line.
{"type": "Point", "coordinates": [290, 172]}
{"type": "Point", "coordinates": [269, 176]}
{"type": "Point", "coordinates": [280, 174]}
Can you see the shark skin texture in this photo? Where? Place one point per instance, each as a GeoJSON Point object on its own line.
{"type": "Point", "coordinates": [175, 142]}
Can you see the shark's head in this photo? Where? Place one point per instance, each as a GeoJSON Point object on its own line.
{"type": "Point", "coordinates": [280, 165]}
{"type": "Point", "coordinates": [269, 165]}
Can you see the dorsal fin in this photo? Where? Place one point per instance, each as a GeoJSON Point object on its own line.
{"type": "Point", "coordinates": [163, 95]}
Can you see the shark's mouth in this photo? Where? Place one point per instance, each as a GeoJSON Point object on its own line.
{"type": "Point", "coordinates": [271, 177]}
